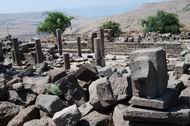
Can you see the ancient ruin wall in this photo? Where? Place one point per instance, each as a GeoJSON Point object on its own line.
{"type": "Point", "coordinates": [173, 49]}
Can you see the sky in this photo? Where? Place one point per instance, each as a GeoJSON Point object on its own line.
{"type": "Point", "coordinates": [20, 6]}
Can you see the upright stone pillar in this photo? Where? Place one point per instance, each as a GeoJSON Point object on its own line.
{"type": "Point", "coordinates": [1, 53]}
{"type": "Point", "coordinates": [39, 53]}
{"type": "Point", "coordinates": [99, 60]}
{"type": "Point", "coordinates": [79, 46]}
{"type": "Point", "coordinates": [94, 35]}
{"type": "Point", "coordinates": [66, 61]}
{"type": "Point", "coordinates": [101, 33]}
{"type": "Point", "coordinates": [59, 41]}
{"type": "Point", "coordinates": [17, 55]}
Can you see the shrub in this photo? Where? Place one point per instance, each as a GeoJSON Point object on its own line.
{"type": "Point", "coordinates": [163, 22]}
{"type": "Point", "coordinates": [53, 21]}
{"type": "Point", "coordinates": [114, 26]}
{"type": "Point", "coordinates": [53, 90]}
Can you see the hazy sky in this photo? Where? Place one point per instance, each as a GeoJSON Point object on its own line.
{"type": "Point", "coordinates": [17, 6]}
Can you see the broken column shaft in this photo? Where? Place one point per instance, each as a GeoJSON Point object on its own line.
{"type": "Point", "coordinates": [99, 60]}
{"type": "Point", "coordinates": [17, 54]}
{"type": "Point", "coordinates": [39, 53]}
{"type": "Point", "coordinates": [79, 46]}
{"type": "Point", "coordinates": [59, 41]}
{"type": "Point", "coordinates": [66, 61]}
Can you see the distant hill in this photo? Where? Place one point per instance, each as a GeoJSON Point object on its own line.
{"type": "Point", "coordinates": [130, 21]}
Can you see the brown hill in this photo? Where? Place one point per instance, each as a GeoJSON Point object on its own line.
{"type": "Point", "coordinates": [130, 21]}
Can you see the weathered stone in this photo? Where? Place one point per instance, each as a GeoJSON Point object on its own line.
{"type": "Point", "coordinates": [1, 53]}
{"type": "Point", "coordinates": [185, 96]}
{"type": "Point", "coordinates": [176, 85]}
{"type": "Point", "coordinates": [180, 68]}
{"type": "Point", "coordinates": [71, 90]}
{"type": "Point", "coordinates": [39, 54]}
{"type": "Point", "coordinates": [49, 103]}
{"type": "Point", "coordinates": [94, 119]}
{"type": "Point", "coordinates": [19, 87]}
{"type": "Point", "coordinates": [121, 86]}
{"type": "Point", "coordinates": [7, 111]}
{"type": "Point", "coordinates": [167, 100]}
{"type": "Point", "coordinates": [17, 53]}
{"type": "Point", "coordinates": [86, 72]}
{"type": "Point", "coordinates": [56, 74]}
{"type": "Point", "coordinates": [25, 115]}
{"type": "Point", "coordinates": [185, 78]}
{"type": "Point", "coordinates": [176, 115]}
{"type": "Point", "coordinates": [149, 72]}
{"type": "Point", "coordinates": [85, 109]}
{"type": "Point", "coordinates": [44, 121]}
{"type": "Point", "coordinates": [30, 57]}
{"type": "Point", "coordinates": [59, 41]}
{"type": "Point", "coordinates": [13, 81]}
{"type": "Point", "coordinates": [118, 116]}
{"type": "Point", "coordinates": [149, 124]}
{"type": "Point", "coordinates": [101, 94]}
{"type": "Point", "coordinates": [42, 67]}
{"type": "Point", "coordinates": [67, 117]}
{"type": "Point", "coordinates": [119, 69]}
{"type": "Point", "coordinates": [105, 71]}
{"type": "Point", "coordinates": [66, 61]}
{"type": "Point", "coordinates": [101, 36]}
{"type": "Point", "coordinates": [79, 46]}
{"type": "Point", "coordinates": [99, 59]}
{"type": "Point", "coordinates": [36, 84]}
{"type": "Point", "coordinates": [3, 90]}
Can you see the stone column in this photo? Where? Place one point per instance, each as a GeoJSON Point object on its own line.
{"type": "Point", "coordinates": [79, 46]}
{"type": "Point", "coordinates": [94, 35]}
{"type": "Point", "coordinates": [1, 53]}
{"type": "Point", "coordinates": [17, 55]}
{"type": "Point", "coordinates": [59, 41]}
{"type": "Point", "coordinates": [99, 60]}
{"type": "Point", "coordinates": [39, 54]}
{"type": "Point", "coordinates": [101, 35]}
{"type": "Point", "coordinates": [13, 55]}
{"type": "Point", "coordinates": [66, 61]}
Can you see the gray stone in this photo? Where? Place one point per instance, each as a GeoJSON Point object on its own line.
{"type": "Point", "coordinates": [177, 115]}
{"type": "Point", "coordinates": [176, 85]}
{"type": "Point", "coordinates": [42, 67]}
{"type": "Point", "coordinates": [121, 86]}
{"type": "Point", "coordinates": [3, 89]}
{"type": "Point", "coordinates": [67, 117]}
{"type": "Point", "coordinates": [36, 84]}
{"type": "Point", "coordinates": [118, 116]}
{"type": "Point", "coordinates": [167, 100]}
{"type": "Point", "coordinates": [99, 59]}
{"type": "Point", "coordinates": [66, 61]}
{"type": "Point", "coordinates": [25, 115]}
{"type": "Point", "coordinates": [101, 94]}
{"type": "Point", "coordinates": [56, 74]}
{"type": "Point", "coordinates": [85, 109]}
{"type": "Point", "coordinates": [59, 41]}
{"type": "Point", "coordinates": [149, 124]}
{"type": "Point", "coordinates": [148, 72]}
{"type": "Point", "coordinates": [44, 121]}
{"type": "Point", "coordinates": [79, 46]}
{"type": "Point", "coordinates": [7, 111]}
{"type": "Point", "coordinates": [86, 72]}
{"type": "Point", "coordinates": [49, 103]}
{"type": "Point", "coordinates": [185, 96]}
{"type": "Point", "coordinates": [185, 78]}
{"type": "Point", "coordinates": [180, 68]}
{"type": "Point", "coordinates": [71, 90]}
{"type": "Point", "coordinates": [39, 54]}
{"type": "Point", "coordinates": [17, 53]}
{"type": "Point", "coordinates": [95, 119]}
{"type": "Point", "coordinates": [105, 71]}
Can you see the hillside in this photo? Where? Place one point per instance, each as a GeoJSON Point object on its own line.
{"type": "Point", "coordinates": [131, 20]}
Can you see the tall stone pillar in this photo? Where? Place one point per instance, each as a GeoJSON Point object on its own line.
{"type": "Point", "coordinates": [39, 53]}
{"type": "Point", "coordinates": [66, 61]}
{"type": "Point", "coordinates": [93, 36]}
{"type": "Point", "coordinates": [1, 53]}
{"type": "Point", "coordinates": [99, 60]}
{"type": "Point", "coordinates": [79, 46]}
{"type": "Point", "coordinates": [59, 41]}
{"type": "Point", "coordinates": [17, 54]}
{"type": "Point", "coordinates": [101, 35]}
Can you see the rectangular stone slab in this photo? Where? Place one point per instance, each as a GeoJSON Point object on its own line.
{"type": "Point", "coordinates": [177, 115]}
{"type": "Point", "coordinates": [167, 100]}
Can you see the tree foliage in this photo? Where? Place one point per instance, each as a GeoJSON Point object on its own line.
{"type": "Point", "coordinates": [163, 22]}
{"type": "Point", "coordinates": [53, 21]}
{"type": "Point", "coordinates": [114, 26]}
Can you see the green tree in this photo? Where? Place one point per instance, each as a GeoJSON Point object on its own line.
{"type": "Point", "coordinates": [114, 26]}
{"type": "Point", "coordinates": [163, 22]}
{"type": "Point", "coordinates": [53, 21]}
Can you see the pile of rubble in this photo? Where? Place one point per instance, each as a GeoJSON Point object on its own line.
{"type": "Point", "coordinates": [42, 86]}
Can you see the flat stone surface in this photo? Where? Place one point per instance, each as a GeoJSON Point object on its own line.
{"type": "Point", "coordinates": [167, 100]}
{"type": "Point", "coordinates": [56, 74]}
{"type": "Point", "coordinates": [176, 115]}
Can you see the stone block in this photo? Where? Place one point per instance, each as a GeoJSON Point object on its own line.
{"type": "Point", "coordinates": [167, 100]}
{"type": "Point", "coordinates": [176, 115]}
{"type": "Point", "coordinates": [148, 72]}
{"type": "Point", "coordinates": [56, 74]}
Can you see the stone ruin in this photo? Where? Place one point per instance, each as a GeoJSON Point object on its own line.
{"type": "Point", "coordinates": [43, 85]}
